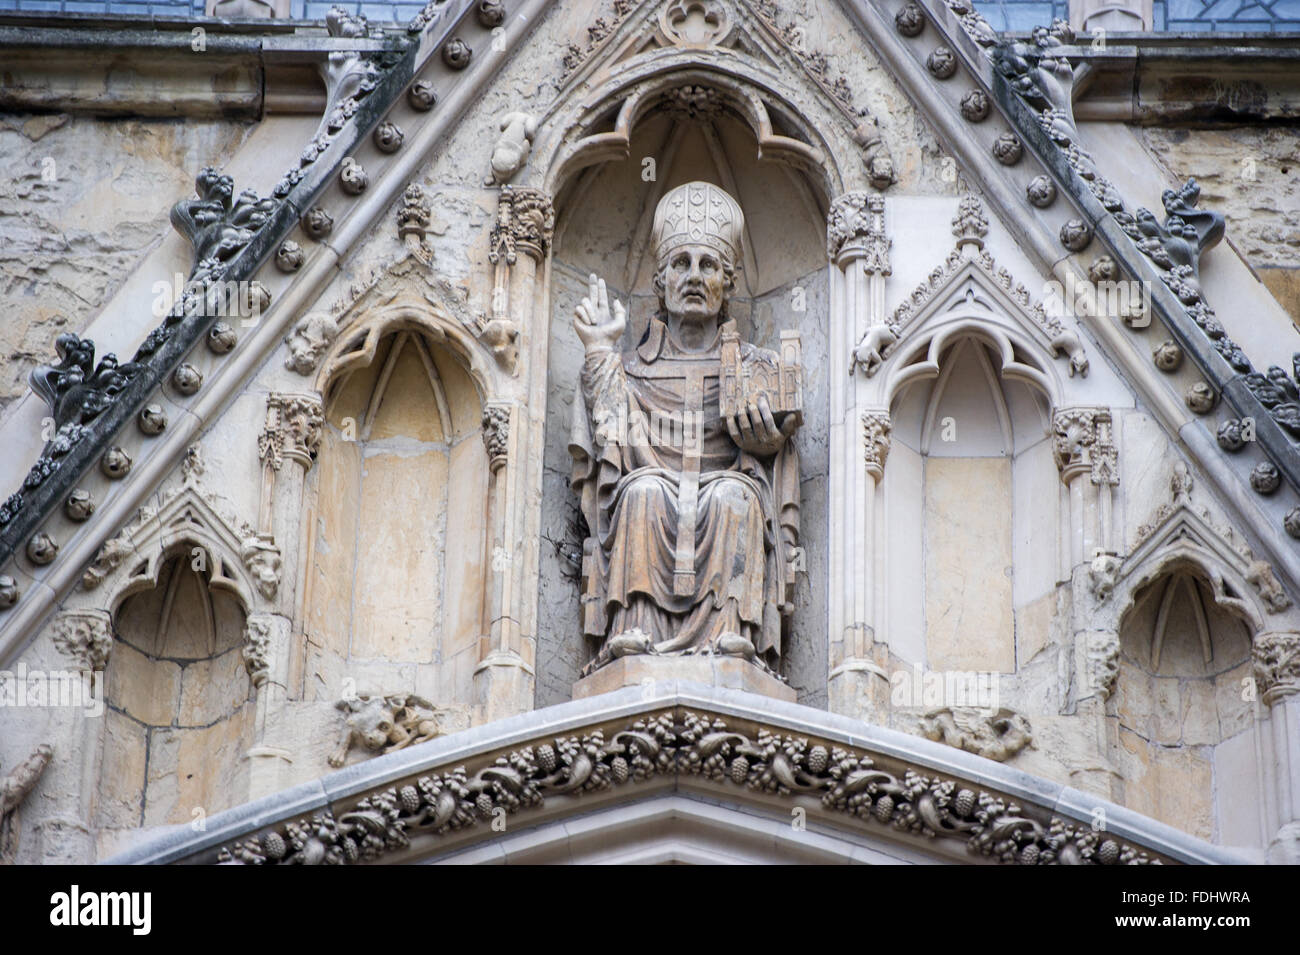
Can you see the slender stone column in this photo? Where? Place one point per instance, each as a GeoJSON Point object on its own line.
{"type": "Point", "coordinates": [287, 447]}
{"type": "Point", "coordinates": [61, 826]}
{"type": "Point", "coordinates": [859, 443]}
{"type": "Point", "coordinates": [1277, 680]}
{"type": "Point", "coordinates": [514, 436]}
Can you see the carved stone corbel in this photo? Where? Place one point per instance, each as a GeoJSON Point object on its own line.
{"type": "Point", "coordinates": [86, 636]}
{"type": "Point", "coordinates": [496, 434]}
{"type": "Point", "coordinates": [876, 431]}
{"type": "Point", "coordinates": [413, 218]}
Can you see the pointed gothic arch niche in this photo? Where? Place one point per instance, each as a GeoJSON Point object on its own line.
{"type": "Point", "coordinates": [696, 122]}
{"type": "Point", "coordinates": [180, 702]}
{"type": "Point", "coordinates": [969, 555]}
{"type": "Point", "coordinates": [395, 536]}
{"type": "Point", "coordinates": [1181, 702]}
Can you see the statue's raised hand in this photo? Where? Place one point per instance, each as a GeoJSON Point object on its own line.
{"type": "Point", "coordinates": [598, 324]}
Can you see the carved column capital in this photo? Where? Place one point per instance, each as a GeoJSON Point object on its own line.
{"type": "Point", "coordinates": [525, 222]}
{"type": "Point", "coordinates": [496, 434]}
{"type": "Point", "coordinates": [876, 430]}
{"type": "Point", "coordinates": [1277, 665]}
{"type": "Point", "coordinates": [86, 636]}
{"type": "Point", "coordinates": [292, 430]}
{"type": "Point", "coordinates": [855, 230]}
{"type": "Point", "coordinates": [1083, 442]}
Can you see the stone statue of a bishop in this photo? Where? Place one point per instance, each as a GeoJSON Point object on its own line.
{"type": "Point", "coordinates": [683, 458]}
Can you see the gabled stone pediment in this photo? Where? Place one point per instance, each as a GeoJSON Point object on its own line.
{"type": "Point", "coordinates": [970, 293]}
{"type": "Point", "coordinates": [886, 793]}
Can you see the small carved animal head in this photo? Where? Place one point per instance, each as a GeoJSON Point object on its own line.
{"type": "Point", "coordinates": [371, 719]}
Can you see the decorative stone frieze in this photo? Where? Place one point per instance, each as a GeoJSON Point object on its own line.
{"type": "Point", "coordinates": [86, 636]}
{"type": "Point", "coordinates": [293, 429]}
{"type": "Point", "coordinates": [702, 749]}
{"type": "Point", "coordinates": [855, 227]}
{"type": "Point", "coordinates": [525, 222]}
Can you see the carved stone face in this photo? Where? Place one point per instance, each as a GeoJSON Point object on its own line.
{"type": "Point", "coordinates": [695, 283]}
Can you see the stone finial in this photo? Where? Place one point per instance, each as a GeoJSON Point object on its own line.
{"type": "Point", "coordinates": [855, 231]}
{"type": "Point", "coordinates": [970, 225]}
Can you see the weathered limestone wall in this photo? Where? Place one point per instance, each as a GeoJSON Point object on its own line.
{"type": "Point", "coordinates": [82, 200]}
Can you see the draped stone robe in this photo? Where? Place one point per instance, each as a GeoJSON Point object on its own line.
{"type": "Point", "coordinates": [691, 537]}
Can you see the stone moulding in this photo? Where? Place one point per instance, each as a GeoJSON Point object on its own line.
{"type": "Point", "coordinates": [57, 470]}
{"type": "Point", "coordinates": [722, 744]}
{"type": "Point", "coordinates": [1175, 298]}
{"type": "Point", "coordinates": [165, 348]}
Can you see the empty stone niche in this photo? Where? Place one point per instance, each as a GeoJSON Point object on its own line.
{"type": "Point", "coordinates": [179, 714]}
{"type": "Point", "coordinates": [980, 543]}
{"type": "Point", "coordinates": [603, 222]}
{"type": "Point", "coordinates": [1182, 694]}
{"type": "Point", "coordinates": [395, 560]}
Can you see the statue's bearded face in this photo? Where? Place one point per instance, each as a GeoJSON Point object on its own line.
{"type": "Point", "coordinates": [693, 283]}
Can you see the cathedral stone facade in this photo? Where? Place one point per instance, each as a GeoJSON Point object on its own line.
{"type": "Point", "coordinates": [648, 431]}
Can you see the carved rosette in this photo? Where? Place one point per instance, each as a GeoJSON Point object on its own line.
{"type": "Point", "coordinates": [496, 434]}
{"type": "Point", "coordinates": [86, 636]}
{"type": "Point", "coordinates": [525, 222]}
{"type": "Point", "coordinates": [876, 431]}
{"type": "Point", "coordinates": [293, 429]}
{"type": "Point", "coordinates": [1277, 665]}
{"type": "Point", "coordinates": [855, 230]}
{"type": "Point", "coordinates": [1083, 441]}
